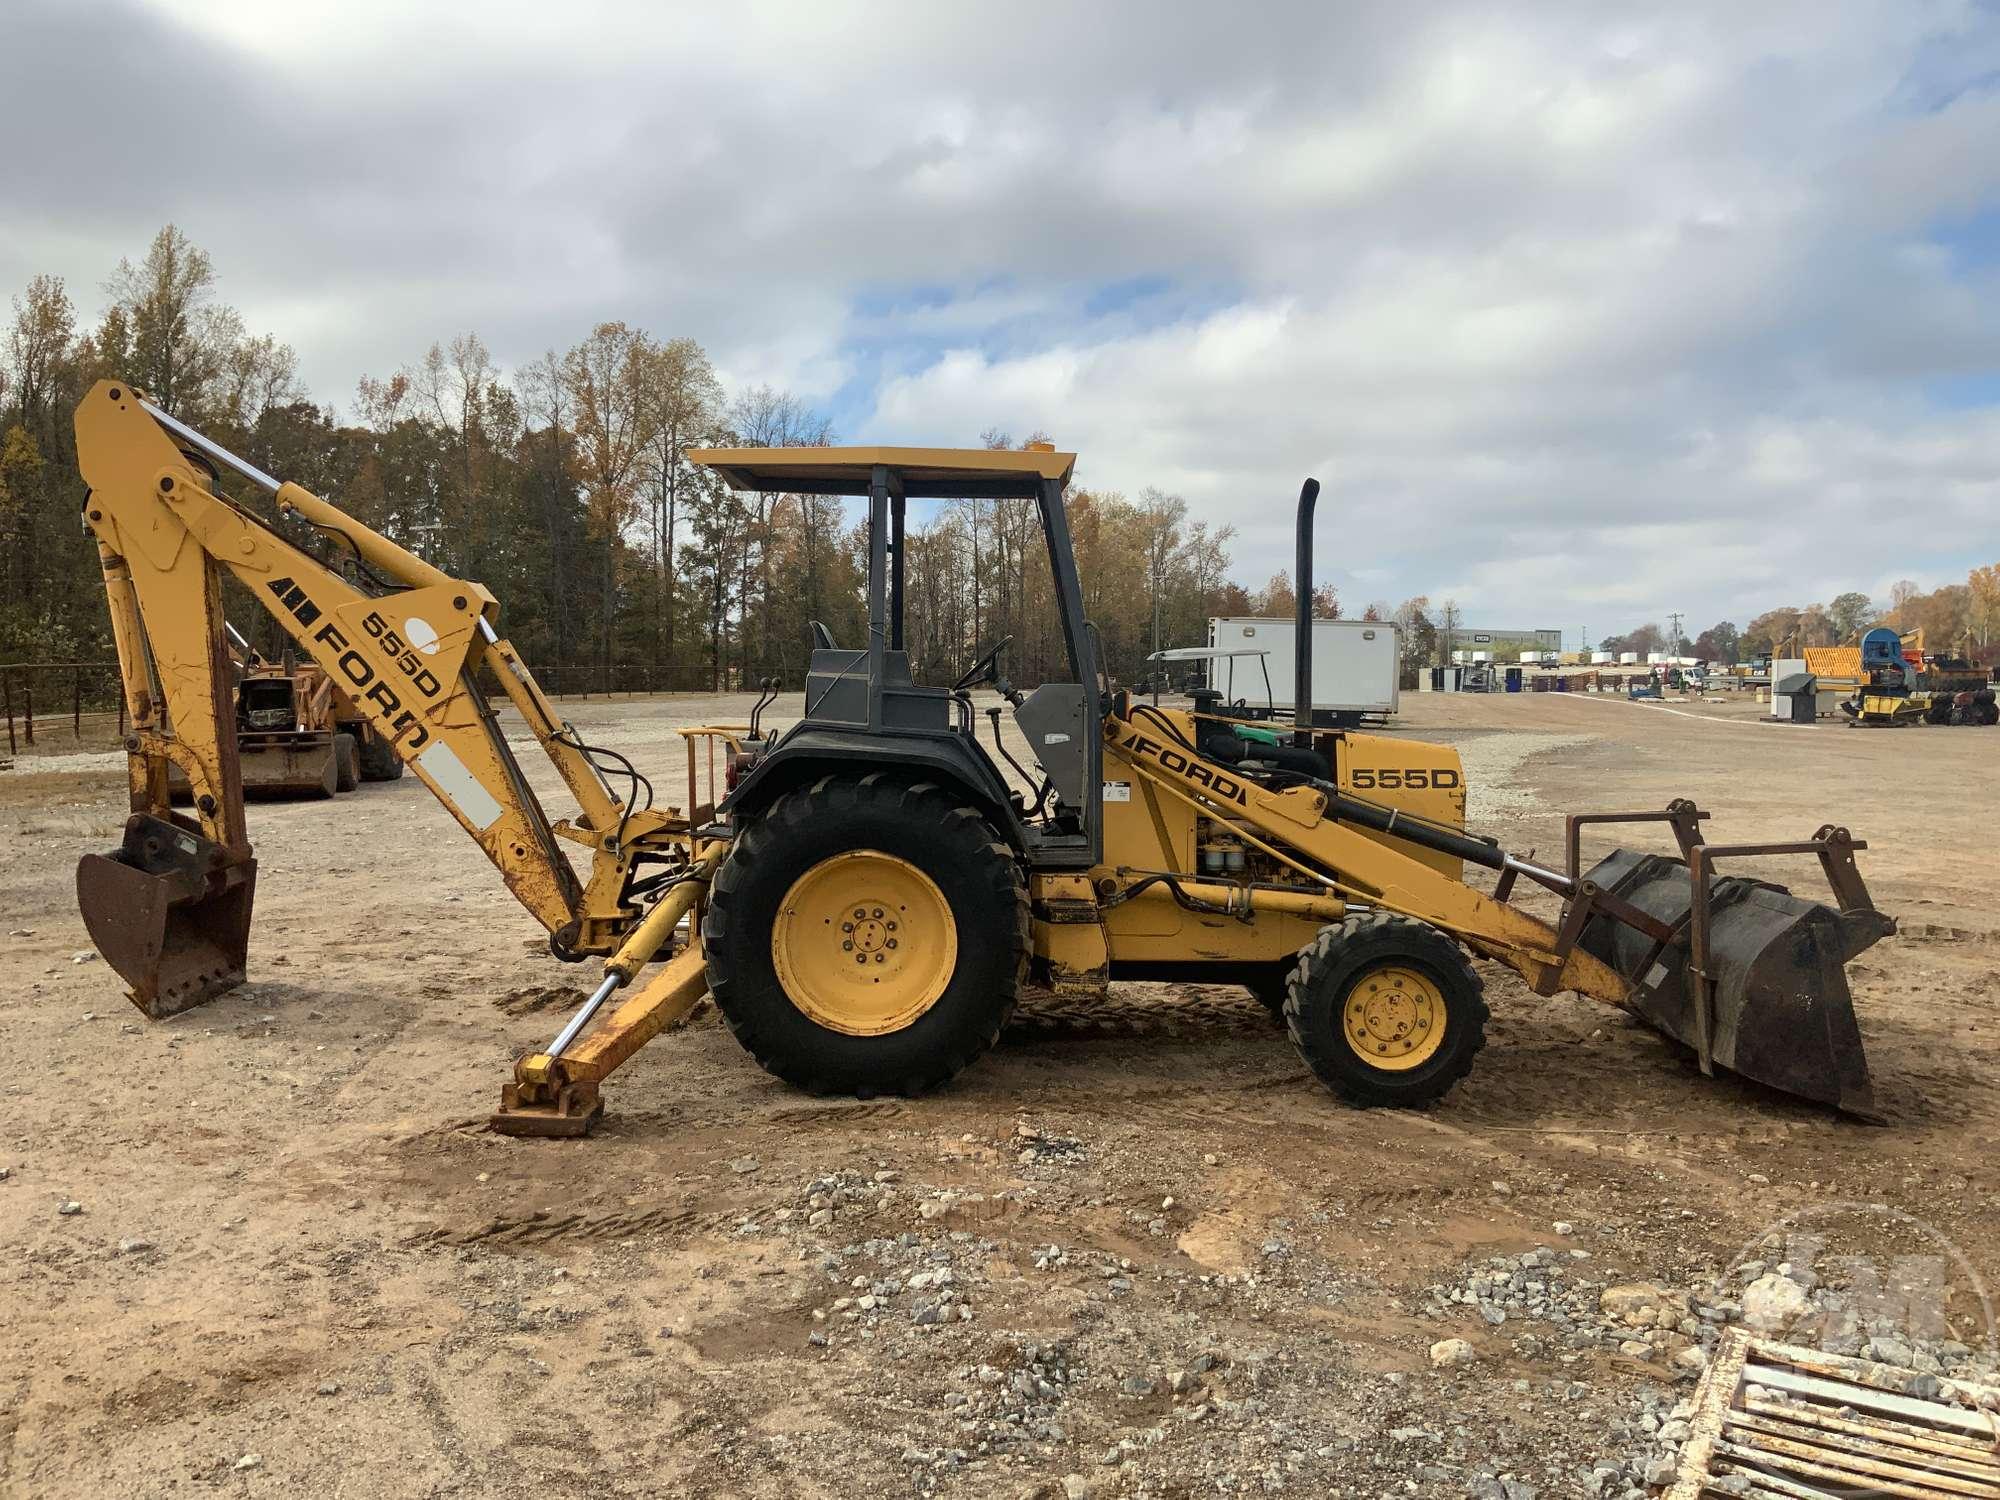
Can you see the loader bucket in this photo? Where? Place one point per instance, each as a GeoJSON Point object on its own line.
{"type": "Point", "coordinates": [288, 765]}
{"type": "Point", "coordinates": [1780, 1009]}
{"type": "Point", "coordinates": [170, 912]}
{"type": "Point", "coordinates": [275, 766]}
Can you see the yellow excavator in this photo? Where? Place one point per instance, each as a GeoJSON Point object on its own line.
{"type": "Point", "coordinates": [865, 894]}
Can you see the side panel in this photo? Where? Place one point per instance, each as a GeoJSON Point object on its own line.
{"type": "Point", "coordinates": [1145, 829]}
{"type": "Point", "coordinates": [1071, 956]}
{"type": "Point", "coordinates": [1414, 775]}
{"type": "Point", "coordinates": [1195, 938]}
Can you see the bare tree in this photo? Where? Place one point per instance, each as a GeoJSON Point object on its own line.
{"type": "Point", "coordinates": [1160, 518]}
{"type": "Point", "coordinates": [1448, 622]}
{"type": "Point", "coordinates": [685, 398]}
{"type": "Point", "coordinates": [179, 336]}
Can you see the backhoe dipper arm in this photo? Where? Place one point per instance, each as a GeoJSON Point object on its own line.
{"type": "Point", "coordinates": [407, 659]}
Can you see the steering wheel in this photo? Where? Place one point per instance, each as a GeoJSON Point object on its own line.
{"type": "Point", "coordinates": [984, 669]}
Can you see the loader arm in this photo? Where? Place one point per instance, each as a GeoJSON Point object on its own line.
{"type": "Point", "coordinates": [1297, 827]}
{"type": "Point", "coordinates": [409, 658]}
{"type": "Point", "coordinates": [1747, 975]}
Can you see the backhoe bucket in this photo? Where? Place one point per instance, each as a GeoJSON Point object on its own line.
{"type": "Point", "coordinates": [1778, 1007]}
{"type": "Point", "coordinates": [170, 912]}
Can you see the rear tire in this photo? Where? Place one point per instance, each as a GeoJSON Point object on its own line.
{"type": "Point", "coordinates": [1271, 984]}
{"type": "Point", "coordinates": [1386, 1011]}
{"type": "Point", "coordinates": [379, 760]}
{"type": "Point", "coordinates": [346, 763]}
{"type": "Point", "coordinates": [780, 936]}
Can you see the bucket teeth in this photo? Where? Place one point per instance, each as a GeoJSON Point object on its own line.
{"type": "Point", "coordinates": [1781, 1011]}
{"type": "Point", "coordinates": [170, 912]}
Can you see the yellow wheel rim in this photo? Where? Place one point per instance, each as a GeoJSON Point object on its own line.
{"type": "Point", "coordinates": [1394, 1018]}
{"type": "Point", "coordinates": [864, 943]}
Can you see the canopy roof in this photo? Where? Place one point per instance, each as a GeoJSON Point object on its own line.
{"type": "Point", "coordinates": [937, 473]}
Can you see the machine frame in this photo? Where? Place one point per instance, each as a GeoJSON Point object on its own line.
{"type": "Point", "coordinates": [1164, 843]}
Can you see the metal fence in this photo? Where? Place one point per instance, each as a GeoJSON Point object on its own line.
{"type": "Point", "coordinates": [50, 705]}
{"type": "Point", "coordinates": [73, 703]}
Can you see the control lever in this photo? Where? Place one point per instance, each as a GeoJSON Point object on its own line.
{"type": "Point", "coordinates": [767, 695]}
{"type": "Point", "coordinates": [993, 717]}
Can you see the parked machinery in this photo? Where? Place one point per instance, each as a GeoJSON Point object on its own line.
{"type": "Point", "coordinates": [1958, 691]}
{"type": "Point", "coordinates": [869, 897]}
{"type": "Point", "coordinates": [297, 734]}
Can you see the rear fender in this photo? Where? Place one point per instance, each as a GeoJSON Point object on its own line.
{"type": "Point", "coordinates": [809, 752]}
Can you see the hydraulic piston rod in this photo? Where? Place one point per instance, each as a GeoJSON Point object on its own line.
{"type": "Point", "coordinates": [556, 1092]}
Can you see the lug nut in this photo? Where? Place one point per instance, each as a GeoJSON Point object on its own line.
{"type": "Point", "coordinates": [847, 947]}
{"type": "Point", "coordinates": [881, 957]}
{"type": "Point", "coordinates": [891, 943]}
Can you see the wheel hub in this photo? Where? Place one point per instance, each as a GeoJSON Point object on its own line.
{"type": "Point", "coordinates": [1394, 1017]}
{"type": "Point", "coordinates": [864, 943]}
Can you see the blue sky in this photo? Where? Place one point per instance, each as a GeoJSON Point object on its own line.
{"type": "Point", "coordinates": [1581, 313]}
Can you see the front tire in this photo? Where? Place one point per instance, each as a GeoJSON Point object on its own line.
{"type": "Point", "coordinates": [346, 763]}
{"type": "Point", "coordinates": [867, 936]}
{"type": "Point", "coordinates": [1386, 1011]}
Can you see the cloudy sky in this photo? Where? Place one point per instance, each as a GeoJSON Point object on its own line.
{"type": "Point", "coordinates": [1583, 313]}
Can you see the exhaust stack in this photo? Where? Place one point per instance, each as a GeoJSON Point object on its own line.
{"type": "Point", "coordinates": [1302, 613]}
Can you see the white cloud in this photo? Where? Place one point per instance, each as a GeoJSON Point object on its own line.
{"type": "Point", "coordinates": [1572, 308]}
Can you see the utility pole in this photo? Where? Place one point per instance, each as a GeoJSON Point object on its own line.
{"type": "Point", "coordinates": [1675, 616]}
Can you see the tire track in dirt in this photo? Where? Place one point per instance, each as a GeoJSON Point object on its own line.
{"type": "Point", "coordinates": [533, 1229]}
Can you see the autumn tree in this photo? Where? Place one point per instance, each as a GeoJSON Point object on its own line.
{"type": "Point", "coordinates": [1721, 642]}
{"type": "Point", "coordinates": [1901, 592]}
{"type": "Point", "coordinates": [1419, 636]}
{"type": "Point", "coordinates": [605, 379]}
{"type": "Point", "coordinates": [1983, 615]}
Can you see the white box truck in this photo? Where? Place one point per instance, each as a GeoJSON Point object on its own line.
{"type": "Point", "coordinates": [1356, 666]}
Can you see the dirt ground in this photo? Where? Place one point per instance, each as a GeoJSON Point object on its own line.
{"type": "Point", "coordinates": [1133, 1251]}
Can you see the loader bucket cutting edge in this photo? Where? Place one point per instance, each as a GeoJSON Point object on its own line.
{"type": "Point", "coordinates": [1782, 1013]}
{"type": "Point", "coordinates": [170, 912]}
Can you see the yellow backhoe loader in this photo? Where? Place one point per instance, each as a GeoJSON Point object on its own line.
{"type": "Point", "coordinates": [296, 734]}
{"type": "Point", "coordinates": [867, 893]}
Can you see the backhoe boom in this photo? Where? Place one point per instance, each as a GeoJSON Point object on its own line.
{"type": "Point", "coordinates": [409, 657]}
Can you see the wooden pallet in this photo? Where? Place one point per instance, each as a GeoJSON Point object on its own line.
{"type": "Point", "coordinates": [1822, 1427]}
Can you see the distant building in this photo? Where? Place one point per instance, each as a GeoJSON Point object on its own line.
{"type": "Point", "coordinates": [1506, 642]}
